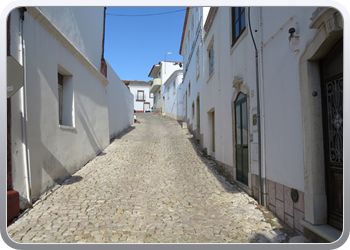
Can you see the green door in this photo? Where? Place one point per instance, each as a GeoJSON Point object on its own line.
{"type": "Point", "coordinates": [241, 125]}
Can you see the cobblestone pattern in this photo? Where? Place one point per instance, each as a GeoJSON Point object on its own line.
{"type": "Point", "coordinates": [151, 185]}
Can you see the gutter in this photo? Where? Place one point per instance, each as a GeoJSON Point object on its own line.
{"type": "Point", "coordinates": [27, 169]}
{"type": "Point", "coordinates": [262, 186]}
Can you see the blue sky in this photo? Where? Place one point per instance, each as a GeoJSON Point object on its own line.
{"type": "Point", "coordinates": [134, 44]}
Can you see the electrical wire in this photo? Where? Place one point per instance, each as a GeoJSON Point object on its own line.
{"type": "Point", "coordinates": [155, 14]}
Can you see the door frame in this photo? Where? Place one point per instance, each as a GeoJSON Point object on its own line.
{"type": "Point", "coordinates": [334, 219]}
{"type": "Point", "coordinates": [198, 117]}
{"type": "Point", "coordinates": [241, 87]}
{"type": "Point", "coordinates": [315, 198]}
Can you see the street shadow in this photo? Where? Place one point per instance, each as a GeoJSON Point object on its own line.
{"type": "Point", "coordinates": [123, 133]}
{"type": "Point", "coordinates": [71, 180]}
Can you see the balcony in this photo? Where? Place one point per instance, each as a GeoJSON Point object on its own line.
{"type": "Point", "coordinates": [157, 82]}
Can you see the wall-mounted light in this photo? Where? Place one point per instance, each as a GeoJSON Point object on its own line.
{"type": "Point", "coordinates": [293, 38]}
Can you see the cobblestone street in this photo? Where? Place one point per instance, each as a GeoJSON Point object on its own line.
{"type": "Point", "coordinates": [151, 185]}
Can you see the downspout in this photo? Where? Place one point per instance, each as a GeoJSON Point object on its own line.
{"type": "Point", "coordinates": [24, 114]}
{"type": "Point", "coordinates": [262, 199]}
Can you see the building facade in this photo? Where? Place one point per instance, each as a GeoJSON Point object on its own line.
{"type": "Point", "coordinates": [143, 99]}
{"type": "Point", "coordinates": [268, 105]}
{"type": "Point", "coordinates": [160, 73]}
{"type": "Point", "coordinates": [172, 104]}
{"type": "Point", "coordinates": [60, 115]}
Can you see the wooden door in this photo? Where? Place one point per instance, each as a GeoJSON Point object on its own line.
{"type": "Point", "coordinates": [331, 68]}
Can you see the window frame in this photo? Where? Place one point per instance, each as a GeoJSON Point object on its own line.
{"type": "Point", "coordinates": [211, 59]}
{"type": "Point", "coordinates": [193, 110]}
{"type": "Point", "coordinates": [234, 20]}
{"type": "Point", "coordinates": [143, 95]}
{"type": "Point", "coordinates": [60, 97]}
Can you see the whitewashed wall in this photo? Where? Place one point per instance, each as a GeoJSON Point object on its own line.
{"type": "Point", "coordinates": [171, 96]}
{"type": "Point", "coordinates": [190, 76]}
{"type": "Point", "coordinates": [282, 125]}
{"type": "Point", "coordinates": [83, 26]}
{"type": "Point", "coordinates": [282, 106]}
{"type": "Point", "coordinates": [120, 104]}
{"type": "Point", "coordinates": [56, 153]}
{"type": "Point", "coordinates": [139, 105]}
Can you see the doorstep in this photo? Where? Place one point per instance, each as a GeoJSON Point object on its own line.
{"type": "Point", "coordinates": [326, 232]}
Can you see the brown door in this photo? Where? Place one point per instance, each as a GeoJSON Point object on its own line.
{"type": "Point", "coordinates": [331, 68]}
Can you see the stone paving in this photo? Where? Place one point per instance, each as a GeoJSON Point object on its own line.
{"type": "Point", "coordinates": [151, 185]}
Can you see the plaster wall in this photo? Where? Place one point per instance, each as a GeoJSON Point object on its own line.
{"type": "Point", "coordinates": [83, 27]}
{"type": "Point", "coordinates": [138, 105]}
{"type": "Point", "coordinates": [282, 106]}
{"type": "Point", "coordinates": [120, 104]}
{"type": "Point", "coordinates": [171, 99]}
{"type": "Point", "coordinates": [55, 151]}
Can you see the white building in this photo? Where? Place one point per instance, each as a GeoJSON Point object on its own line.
{"type": "Point", "coordinates": [61, 116]}
{"type": "Point", "coordinates": [143, 99]}
{"type": "Point", "coordinates": [172, 105]}
{"type": "Point", "coordinates": [160, 73]}
{"type": "Point", "coordinates": [298, 172]}
{"type": "Point", "coordinates": [191, 49]}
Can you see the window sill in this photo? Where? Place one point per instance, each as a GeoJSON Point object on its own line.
{"type": "Point", "coordinates": [210, 76]}
{"type": "Point", "coordinates": [140, 100]}
{"type": "Point", "coordinates": [235, 45]}
{"type": "Point", "coordinates": [67, 127]}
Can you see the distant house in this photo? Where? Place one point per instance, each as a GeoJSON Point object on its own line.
{"type": "Point", "coordinates": [173, 105]}
{"type": "Point", "coordinates": [64, 117]}
{"type": "Point", "coordinates": [143, 99]}
{"type": "Point", "coordinates": [160, 73]}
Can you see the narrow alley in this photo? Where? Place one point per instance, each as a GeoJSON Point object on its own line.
{"type": "Point", "coordinates": [151, 185]}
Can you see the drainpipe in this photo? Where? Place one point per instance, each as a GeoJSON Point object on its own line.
{"type": "Point", "coordinates": [24, 114]}
{"type": "Point", "coordinates": [262, 196]}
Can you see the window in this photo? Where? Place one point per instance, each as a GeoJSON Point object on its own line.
{"type": "Point", "coordinates": [211, 59]}
{"type": "Point", "coordinates": [197, 63]}
{"type": "Point", "coordinates": [65, 98]}
{"type": "Point", "coordinates": [150, 95]}
{"type": "Point", "coordinates": [60, 97]}
{"type": "Point", "coordinates": [159, 74]}
{"type": "Point", "coordinates": [140, 95]}
{"type": "Point", "coordinates": [159, 94]}
{"type": "Point", "coordinates": [238, 23]}
{"type": "Point", "coordinates": [168, 92]}
{"type": "Point", "coordinates": [193, 110]}
{"type": "Point", "coordinates": [174, 88]}
{"type": "Point", "coordinates": [189, 88]}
